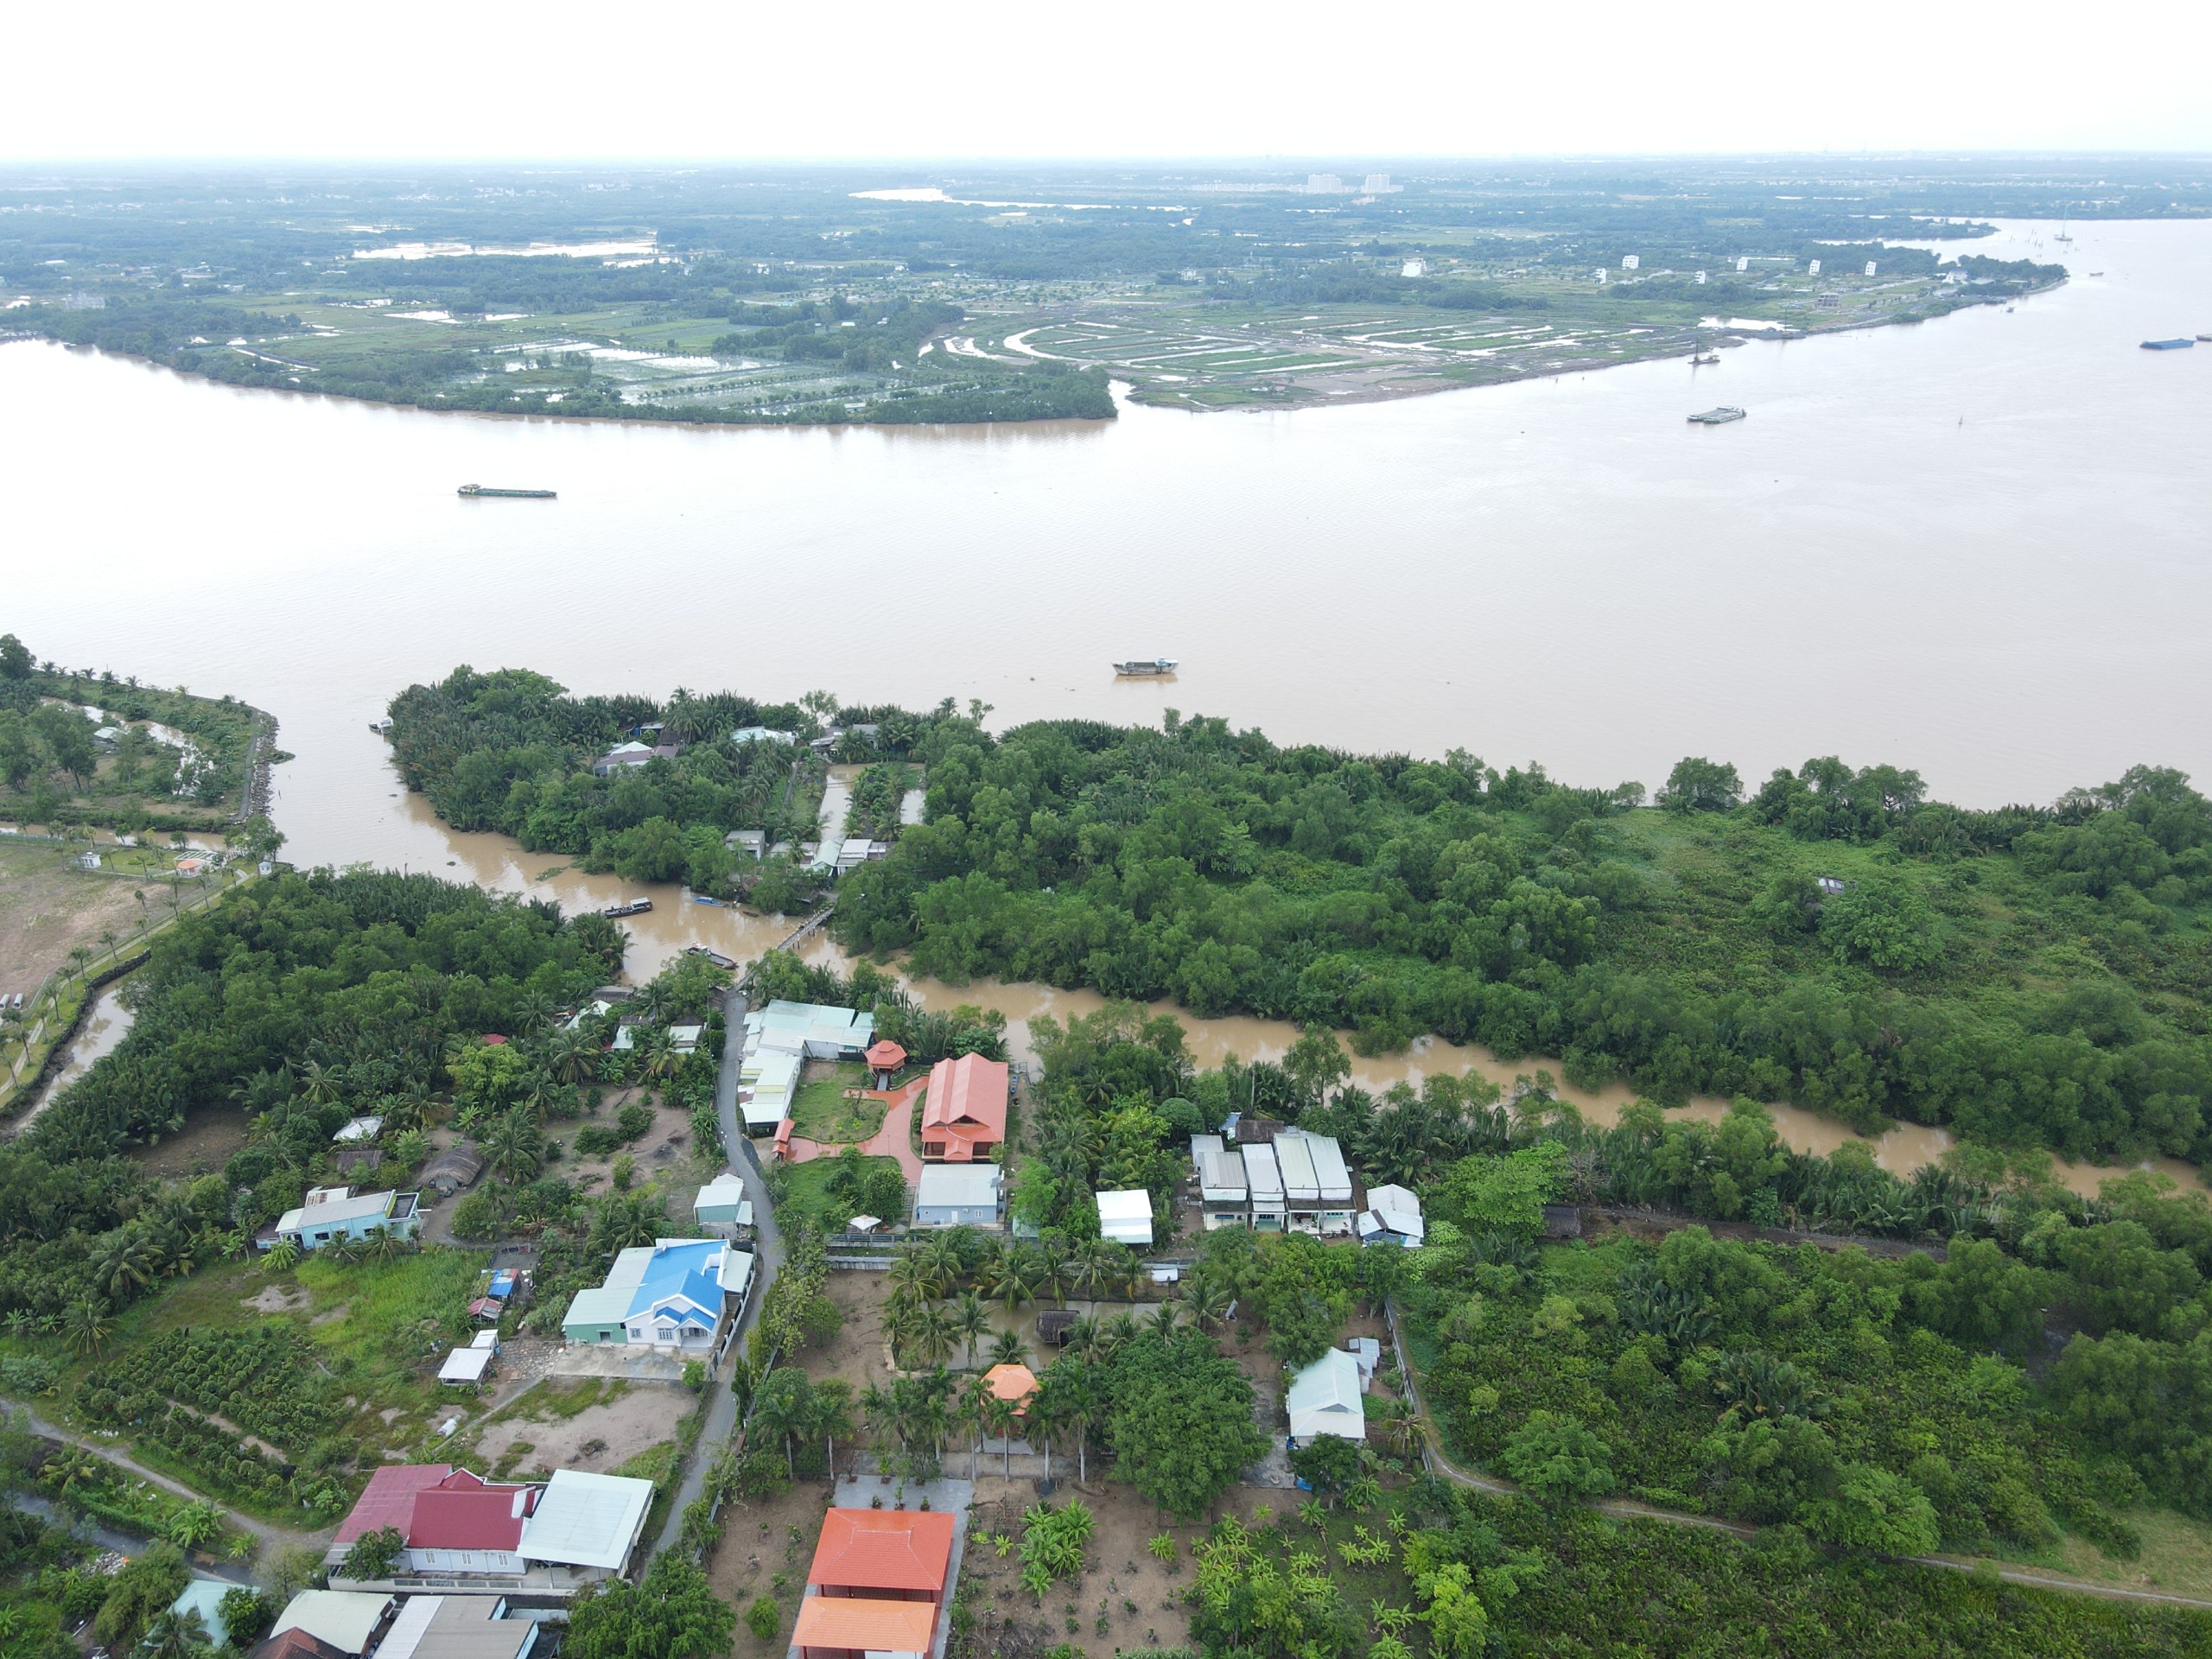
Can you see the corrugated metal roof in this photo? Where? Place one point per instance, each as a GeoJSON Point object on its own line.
{"type": "Point", "coordinates": [1261, 1173]}
{"type": "Point", "coordinates": [1300, 1184]}
{"type": "Point", "coordinates": [965, 1185]}
{"type": "Point", "coordinates": [390, 1497]}
{"type": "Point", "coordinates": [1221, 1173]}
{"type": "Point", "coordinates": [585, 1520]}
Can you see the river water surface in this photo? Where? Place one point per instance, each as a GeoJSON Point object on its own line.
{"type": "Point", "coordinates": [1981, 546]}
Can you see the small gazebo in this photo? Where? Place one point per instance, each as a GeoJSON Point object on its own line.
{"type": "Point", "coordinates": [884, 1058]}
{"type": "Point", "coordinates": [1013, 1383]}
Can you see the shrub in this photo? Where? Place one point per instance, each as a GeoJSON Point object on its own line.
{"type": "Point", "coordinates": [764, 1617]}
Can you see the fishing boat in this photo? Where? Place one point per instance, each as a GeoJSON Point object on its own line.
{"type": "Point", "coordinates": [1155, 669]}
{"type": "Point", "coordinates": [381, 727]}
{"type": "Point", "coordinates": [1704, 356]}
{"type": "Point", "coordinates": [1720, 417]}
{"type": "Point", "coordinates": [512, 495]}
{"type": "Point", "coordinates": [2179, 343]}
{"type": "Point", "coordinates": [715, 957]}
{"type": "Point", "coordinates": [635, 908]}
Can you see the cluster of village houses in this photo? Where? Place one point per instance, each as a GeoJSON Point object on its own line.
{"type": "Point", "coordinates": [481, 1560]}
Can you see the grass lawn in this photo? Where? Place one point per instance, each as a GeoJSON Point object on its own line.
{"type": "Point", "coordinates": [820, 1111]}
{"type": "Point", "coordinates": [806, 1191]}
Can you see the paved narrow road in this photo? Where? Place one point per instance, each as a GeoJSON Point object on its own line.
{"type": "Point", "coordinates": [768, 1258]}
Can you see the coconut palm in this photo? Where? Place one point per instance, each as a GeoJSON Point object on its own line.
{"type": "Point", "coordinates": [1093, 1267]}
{"type": "Point", "coordinates": [1011, 1283]}
{"type": "Point", "coordinates": [1165, 1317]}
{"type": "Point", "coordinates": [125, 1263]}
{"type": "Point", "coordinates": [1008, 1349]}
{"type": "Point", "coordinates": [174, 1635]}
{"type": "Point", "coordinates": [1208, 1300]}
{"type": "Point", "coordinates": [970, 1320]}
{"type": "Point", "coordinates": [321, 1084]}
{"type": "Point", "coordinates": [572, 1057]}
{"type": "Point", "coordinates": [942, 1262]}
{"type": "Point", "coordinates": [514, 1148]}
{"type": "Point", "coordinates": [935, 1331]}
{"type": "Point", "coordinates": [1055, 1271]}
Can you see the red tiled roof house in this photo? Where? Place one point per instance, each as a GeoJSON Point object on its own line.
{"type": "Point", "coordinates": [452, 1522]}
{"type": "Point", "coordinates": [963, 1118]}
{"type": "Point", "coordinates": [879, 1578]}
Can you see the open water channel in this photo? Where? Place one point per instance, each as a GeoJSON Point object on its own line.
{"type": "Point", "coordinates": [1981, 546]}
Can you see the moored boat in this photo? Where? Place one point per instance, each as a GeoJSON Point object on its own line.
{"type": "Point", "coordinates": [1155, 668]}
{"type": "Point", "coordinates": [635, 908]}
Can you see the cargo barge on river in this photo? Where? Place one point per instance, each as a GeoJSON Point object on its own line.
{"type": "Point", "coordinates": [512, 495]}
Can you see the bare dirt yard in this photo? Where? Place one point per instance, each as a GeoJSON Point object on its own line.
{"type": "Point", "coordinates": [594, 1424]}
{"type": "Point", "coordinates": [210, 1137]}
{"type": "Point", "coordinates": [47, 908]}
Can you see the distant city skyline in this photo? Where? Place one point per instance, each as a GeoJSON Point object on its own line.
{"type": "Point", "coordinates": [985, 79]}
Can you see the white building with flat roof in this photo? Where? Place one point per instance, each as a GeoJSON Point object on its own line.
{"type": "Point", "coordinates": [1126, 1218]}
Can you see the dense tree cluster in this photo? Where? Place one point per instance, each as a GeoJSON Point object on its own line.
{"type": "Point", "coordinates": [1838, 941]}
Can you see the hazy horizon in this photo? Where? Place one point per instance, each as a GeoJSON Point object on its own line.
{"type": "Point", "coordinates": [988, 81]}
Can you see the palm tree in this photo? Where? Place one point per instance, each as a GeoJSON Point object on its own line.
{"type": "Point", "coordinates": [20, 1322]}
{"type": "Point", "coordinates": [973, 1409]}
{"type": "Point", "coordinates": [1093, 1267]}
{"type": "Point", "coordinates": [935, 1330]}
{"type": "Point", "coordinates": [1010, 1281]}
{"type": "Point", "coordinates": [572, 1057]}
{"type": "Point", "coordinates": [321, 1084]}
{"type": "Point", "coordinates": [1047, 1410]}
{"type": "Point", "coordinates": [784, 1408]}
{"type": "Point", "coordinates": [970, 1320]}
{"type": "Point", "coordinates": [1164, 1318]}
{"type": "Point", "coordinates": [833, 1417]}
{"type": "Point", "coordinates": [177, 1635]}
{"type": "Point", "coordinates": [282, 1256]}
{"type": "Point", "coordinates": [71, 1467]}
{"type": "Point", "coordinates": [1008, 1349]}
{"type": "Point", "coordinates": [1208, 1299]}
{"type": "Point", "coordinates": [879, 1410]}
{"type": "Point", "coordinates": [908, 1277]}
{"type": "Point", "coordinates": [1054, 1271]}
{"type": "Point", "coordinates": [661, 1059]}
{"type": "Point", "coordinates": [940, 1261]}
{"type": "Point", "coordinates": [124, 1264]}
{"type": "Point", "coordinates": [88, 1328]}
{"type": "Point", "coordinates": [998, 1416]}
{"type": "Point", "coordinates": [514, 1148]}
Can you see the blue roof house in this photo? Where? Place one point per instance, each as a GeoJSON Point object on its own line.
{"type": "Point", "coordinates": [672, 1295]}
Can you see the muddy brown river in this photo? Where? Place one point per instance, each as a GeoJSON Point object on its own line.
{"type": "Point", "coordinates": [1977, 546]}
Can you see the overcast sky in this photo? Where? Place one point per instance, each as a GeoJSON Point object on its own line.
{"type": "Point", "coordinates": [1141, 78]}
